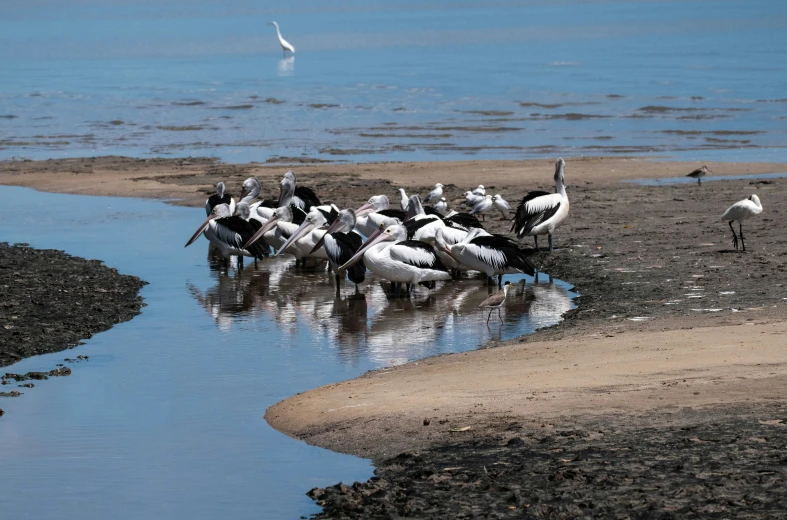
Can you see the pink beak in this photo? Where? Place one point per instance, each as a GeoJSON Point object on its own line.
{"type": "Point", "coordinates": [200, 230]}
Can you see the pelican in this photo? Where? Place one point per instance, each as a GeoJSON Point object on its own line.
{"type": "Point", "coordinates": [375, 212]}
{"type": "Point", "coordinates": [501, 205]}
{"type": "Point", "coordinates": [493, 255]}
{"type": "Point", "coordinates": [405, 200]}
{"type": "Point", "coordinates": [482, 206]}
{"type": "Point", "coordinates": [250, 190]}
{"type": "Point", "coordinates": [435, 194]}
{"type": "Point", "coordinates": [390, 256]}
{"type": "Point", "coordinates": [495, 301]}
{"type": "Point", "coordinates": [303, 241]}
{"type": "Point", "coordinates": [539, 212]}
{"type": "Point", "coordinates": [219, 198]}
{"type": "Point", "coordinates": [285, 45]}
{"type": "Point", "coordinates": [300, 196]}
{"type": "Point", "coordinates": [231, 232]}
{"type": "Point", "coordinates": [341, 243]}
{"type": "Point", "coordinates": [740, 211]}
{"type": "Point", "coordinates": [471, 199]}
{"type": "Point", "coordinates": [699, 173]}
{"type": "Point", "coordinates": [441, 206]}
{"type": "Point", "coordinates": [282, 224]}
{"type": "Point", "coordinates": [479, 190]}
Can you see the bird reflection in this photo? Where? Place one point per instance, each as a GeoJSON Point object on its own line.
{"type": "Point", "coordinates": [287, 66]}
{"type": "Point", "coordinates": [372, 325]}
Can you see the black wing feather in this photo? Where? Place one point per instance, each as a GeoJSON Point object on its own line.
{"type": "Point", "coordinates": [245, 229]}
{"type": "Point", "coordinates": [436, 264]}
{"type": "Point", "coordinates": [349, 243]}
{"type": "Point", "coordinates": [308, 196]}
{"type": "Point", "coordinates": [523, 222]}
{"type": "Point", "coordinates": [414, 225]}
{"type": "Point", "coordinates": [393, 213]}
{"type": "Point", "coordinates": [463, 221]}
{"type": "Point", "coordinates": [515, 256]}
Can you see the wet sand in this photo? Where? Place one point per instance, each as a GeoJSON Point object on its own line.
{"type": "Point", "coordinates": [673, 328]}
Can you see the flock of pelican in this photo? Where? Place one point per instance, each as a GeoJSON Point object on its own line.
{"type": "Point", "coordinates": [417, 244]}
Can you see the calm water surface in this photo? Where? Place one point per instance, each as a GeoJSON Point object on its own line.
{"type": "Point", "coordinates": [165, 420]}
{"type": "Point", "coordinates": [374, 80]}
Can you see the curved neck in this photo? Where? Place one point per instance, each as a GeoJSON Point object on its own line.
{"type": "Point", "coordinates": [253, 193]}
{"type": "Point", "coordinates": [559, 188]}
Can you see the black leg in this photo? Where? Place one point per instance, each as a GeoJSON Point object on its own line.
{"type": "Point", "coordinates": [734, 236]}
{"type": "Point", "coordinates": [500, 280]}
{"type": "Point", "coordinates": [740, 229]}
{"type": "Point", "coordinates": [535, 237]}
{"type": "Point", "coordinates": [499, 316]}
{"type": "Point", "coordinates": [490, 315]}
{"type": "Point", "coordinates": [699, 181]}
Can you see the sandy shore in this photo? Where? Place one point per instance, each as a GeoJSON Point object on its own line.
{"type": "Point", "coordinates": [670, 318]}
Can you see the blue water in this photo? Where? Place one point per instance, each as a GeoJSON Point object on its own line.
{"type": "Point", "coordinates": [165, 420]}
{"type": "Point", "coordinates": [408, 80]}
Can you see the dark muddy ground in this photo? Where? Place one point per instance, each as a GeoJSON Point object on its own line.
{"type": "Point", "coordinates": [697, 465]}
{"type": "Point", "coordinates": [50, 301]}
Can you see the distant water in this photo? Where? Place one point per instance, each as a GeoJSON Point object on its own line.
{"type": "Point", "coordinates": [165, 421]}
{"type": "Point", "coordinates": [375, 80]}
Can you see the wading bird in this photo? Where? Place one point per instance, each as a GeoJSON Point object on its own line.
{"type": "Point", "coordinates": [285, 45]}
{"type": "Point", "coordinates": [739, 212]}
{"type": "Point", "coordinates": [231, 232]}
{"type": "Point", "coordinates": [219, 198]}
{"type": "Point", "coordinates": [493, 255]}
{"type": "Point", "coordinates": [540, 213]}
{"type": "Point", "coordinates": [390, 256]}
{"type": "Point", "coordinates": [375, 212]}
{"type": "Point", "coordinates": [340, 243]}
{"type": "Point", "coordinates": [495, 301]}
{"type": "Point", "coordinates": [280, 227]}
{"type": "Point", "coordinates": [699, 173]}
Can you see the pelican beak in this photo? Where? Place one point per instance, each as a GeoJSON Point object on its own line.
{"type": "Point", "coordinates": [302, 230]}
{"type": "Point", "coordinates": [449, 253]}
{"type": "Point", "coordinates": [243, 192]}
{"type": "Point", "coordinates": [374, 238]}
{"type": "Point", "coordinates": [200, 230]}
{"type": "Point", "coordinates": [364, 210]}
{"type": "Point", "coordinates": [264, 229]}
{"type": "Point", "coordinates": [333, 227]}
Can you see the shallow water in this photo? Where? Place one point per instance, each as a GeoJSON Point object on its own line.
{"type": "Point", "coordinates": [165, 420]}
{"type": "Point", "coordinates": [665, 181]}
{"type": "Point", "coordinates": [373, 80]}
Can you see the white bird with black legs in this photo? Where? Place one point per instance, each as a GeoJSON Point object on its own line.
{"type": "Point", "coordinates": [220, 197]}
{"type": "Point", "coordinates": [229, 233]}
{"type": "Point", "coordinates": [375, 212]}
{"type": "Point", "coordinates": [441, 206]}
{"type": "Point", "coordinates": [541, 213]}
{"type": "Point", "coordinates": [340, 243]}
{"type": "Point", "coordinates": [435, 194]}
{"type": "Point", "coordinates": [388, 254]}
{"type": "Point", "coordinates": [493, 255]}
{"type": "Point", "coordinates": [501, 205]}
{"type": "Point", "coordinates": [285, 45]}
{"type": "Point", "coordinates": [495, 301]}
{"type": "Point", "coordinates": [739, 212]}
{"type": "Point", "coordinates": [699, 173]}
{"type": "Point", "coordinates": [483, 207]}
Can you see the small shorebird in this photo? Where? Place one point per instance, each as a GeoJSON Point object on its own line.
{"type": "Point", "coordinates": [539, 212]}
{"type": "Point", "coordinates": [471, 199]}
{"type": "Point", "coordinates": [479, 190]}
{"type": "Point", "coordinates": [740, 211]}
{"type": "Point", "coordinates": [285, 45]}
{"type": "Point", "coordinates": [435, 194]}
{"type": "Point", "coordinates": [501, 205]}
{"type": "Point", "coordinates": [699, 173]}
{"type": "Point", "coordinates": [482, 206]}
{"type": "Point", "coordinates": [495, 302]}
{"type": "Point", "coordinates": [441, 206]}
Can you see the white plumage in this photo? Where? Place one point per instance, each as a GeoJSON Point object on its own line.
{"type": "Point", "coordinates": [435, 194]}
{"type": "Point", "coordinates": [540, 213]}
{"type": "Point", "coordinates": [479, 190]}
{"type": "Point", "coordinates": [739, 212]}
{"type": "Point", "coordinates": [501, 205]}
{"type": "Point", "coordinates": [482, 206]}
{"type": "Point", "coordinates": [441, 206]}
{"type": "Point", "coordinates": [405, 200]}
{"type": "Point", "coordinates": [285, 45]}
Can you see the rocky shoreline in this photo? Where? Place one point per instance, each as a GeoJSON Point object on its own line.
{"type": "Point", "coordinates": [51, 301]}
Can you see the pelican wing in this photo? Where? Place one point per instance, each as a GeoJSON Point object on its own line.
{"type": "Point", "coordinates": [414, 224]}
{"type": "Point", "coordinates": [331, 214]}
{"type": "Point", "coordinates": [536, 207]}
{"type": "Point", "coordinates": [308, 196]}
{"type": "Point", "coordinates": [236, 232]}
{"type": "Point", "coordinates": [463, 221]}
{"type": "Point", "coordinates": [416, 253]}
{"type": "Point", "coordinates": [392, 213]}
{"type": "Point", "coordinates": [340, 247]}
{"type": "Point", "coordinates": [500, 252]}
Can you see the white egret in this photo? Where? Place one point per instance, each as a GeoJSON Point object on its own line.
{"type": "Point", "coordinates": [739, 212]}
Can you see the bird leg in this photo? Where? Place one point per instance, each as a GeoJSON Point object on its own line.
{"type": "Point", "coordinates": [490, 315]}
{"type": "Point", "coordinates": [550, 242]}
{"type": "Point", "coordinates": [734, 236]}
{"type": "Point", "coordinates": [535, 237]}
{"type": "Point", "coordinates": [699, 181]}
{"type": "Point", "coordinates": [490, 280]}
{"type": "Point", "coordinates": [740, 228]}
{"type": "Point", "coordinates": [500, 280]}
{"type": "Point", "coordinates": [240, 261]}
{"type": "Point", "coordinates": [498, 314]}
